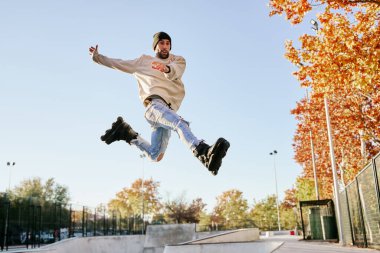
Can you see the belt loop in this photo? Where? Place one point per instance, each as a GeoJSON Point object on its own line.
{"type": "Point", "coordinates": [149, 100]}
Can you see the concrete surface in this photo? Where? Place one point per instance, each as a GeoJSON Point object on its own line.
{"type": "Point", "coordinates": [161, 235]}
{"type": "Point", "coordinates": [230, 241]}
{"type": "Point", "coordinates": [135, 244]}
{"type": "Point", "coordinates": [99, 244]}
{"type": "Point", "coordinates": [237, 247]}
{"type": "Point", "coordinates": [240, 235]}
{"type": "Point", "coordinates": [295, 244]}
{"type": "Point", "coordinates": [157, 236]}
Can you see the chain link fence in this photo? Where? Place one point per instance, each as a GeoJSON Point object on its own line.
{"type": "Point", "coordinates": [361, 208]}
{"type": "Point", "coordinates": [30, 225]}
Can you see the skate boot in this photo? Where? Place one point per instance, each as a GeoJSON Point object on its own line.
{"type": "Point", "coordinates": [211, 156]}
{"type": "Point", "coordinates": [120, 130]}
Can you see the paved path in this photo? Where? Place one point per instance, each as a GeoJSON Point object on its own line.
{"type": "Point", "coordinates": [295, 244]}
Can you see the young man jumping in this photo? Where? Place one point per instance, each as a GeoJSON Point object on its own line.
{"type": "Point", "coordinates": [161, 91]}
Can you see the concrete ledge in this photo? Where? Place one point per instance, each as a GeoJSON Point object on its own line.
{"type": "Point", "coordinates": [99, 244]}
{"type": "Point", "coordinates": [161, 235]}
{"type": "Point", "coordinates": [247, 247]}
{"type": "Point", "coordinates": [241, 235]}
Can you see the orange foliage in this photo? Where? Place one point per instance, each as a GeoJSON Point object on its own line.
{"type": "Point", "coordinates": [341, 61]}
{"type": "Point", "coordinates": [295, 10]}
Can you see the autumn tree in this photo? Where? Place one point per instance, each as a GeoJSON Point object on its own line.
{"type": "Point", "coordinates": [340, 61]}
{"type": "Point", "coordinates": [290, 218]}
{"type": "Point", "coordinates": [49, 197]}
{"type": "Point", "coordinates": [295, 10]}
{"type": "Point", "coordinates": [42, 192]}
{"type": "Point", "coordinates": [130, 201]}
{"type": "Point", "coordinates": [205, 221]}
{"type": "Point", "coordinates": [179, 211]}
{"type": "Point", "coordinates": [264, 213]}
{"type": "Point", "coordinates": [231, 210]}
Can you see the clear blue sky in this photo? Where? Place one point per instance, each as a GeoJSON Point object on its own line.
{"type": "Point", "coordinates": [55, 102]}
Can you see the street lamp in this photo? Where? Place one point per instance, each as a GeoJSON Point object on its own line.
{"type": "Point", "coordinates": [313, 155]}
{"type": "Point", "coordinates": [315, 25]}
{"type": "Point", "coordinates": [275, 178]}
{"type": "Point", "coordinates": [10, 165]}
{"type": "Point", "coordinates": [142, 156]}
{"type": "Point", "coordinates": [332, 157]}
{"type": "Point", "coordinates": [5, 242]}
{"type": "Point", "coordinates": [335, 177]}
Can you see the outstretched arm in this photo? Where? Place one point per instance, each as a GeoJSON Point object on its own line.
{"type": "Point", "coordinates": [128, 66]}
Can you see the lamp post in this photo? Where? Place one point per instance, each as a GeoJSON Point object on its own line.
{"type": "Point", "coordinates": [275, 178]}
{"type": "Point", "coordinates": [335, 177]}
{"type": "Point", "coordinates": [332, 157]}
{"type": "Point", "coordinates": [313, 156]}
{"type": "Point", "coordinates": [10, 165]}
{"type": "Point", "coordinates": [142, 156]}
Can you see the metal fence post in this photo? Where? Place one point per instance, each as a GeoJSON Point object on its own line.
{"type": "Point", "coordinates": [2, 221]}
{"type": "Point", "coordinates": [6, 239]}
{"type": "Point", "coordinates": [377, 187]}
{"type": "Point", "coordinates": [349, 216]}
{"type": "Point", "coordinates": [60, 222]}
{"type": "Point", "coordinates": [74, 224]}
{"type": "Point", "coordinates": [303, 226]}
{"type": "Point", "coordinates": [104, 222]}
{"type": "Point", "coordinates": [83, 222]}
{"type": "Point", "coordinates": [28, 225]}
{"type": "Point", "coordinates": [39, 210]}
{"type": "Point", "coordinates": [86, 221]}
{"type": "Point", "coordinates": [33, 235]}
{"type": "Point", "coordinates": [361, 213]}
{"type": "Point", "coordinates": [71, 232]}
{"type": "Point", "coordinates": [95, 223]}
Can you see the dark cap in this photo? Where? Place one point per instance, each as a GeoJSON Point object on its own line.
{"type": "Point", "coordinates": [161, 36]}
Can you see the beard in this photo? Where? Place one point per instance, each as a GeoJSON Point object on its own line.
{"type": "Point", "coordinates": [162, 54]}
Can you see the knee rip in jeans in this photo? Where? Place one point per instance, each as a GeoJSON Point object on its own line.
{"type": "Point", "coordinates": [159, 158]}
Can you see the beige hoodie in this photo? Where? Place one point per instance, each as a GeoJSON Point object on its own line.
{"type": "Point", "coordinates": [169, 86]}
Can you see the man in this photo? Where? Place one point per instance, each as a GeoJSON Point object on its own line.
{"type": "Point", "coordinates": [161, 91]}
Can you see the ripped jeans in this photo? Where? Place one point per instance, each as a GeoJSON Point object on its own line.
{"type": "Point", "coordinates": [163, 120]}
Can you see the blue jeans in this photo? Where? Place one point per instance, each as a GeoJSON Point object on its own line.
{"type": "Point", "coordinates": [163, 120]}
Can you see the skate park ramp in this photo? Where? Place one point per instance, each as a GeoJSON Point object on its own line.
{"type": "Point", "coordinates": [242, 241]}
{"type": "Point", "coordinates": [98, 244]}
{"type": "Point", "coordinates": [243, 247]}
{"type": "Point", "coordinates": [157, 237]}
{"type": "Point", "coordinates": [179, 238]}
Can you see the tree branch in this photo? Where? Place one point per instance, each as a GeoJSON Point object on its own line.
{"type": "Point", "coordinates": [365, 1]}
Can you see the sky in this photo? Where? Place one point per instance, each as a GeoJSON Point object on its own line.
{"type": "Point", "coordinates": [55, 102]}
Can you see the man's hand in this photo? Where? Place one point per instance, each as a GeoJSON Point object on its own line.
{"type": "Point", "coordinates": [93, 49]}
{"type": "Point", "coordinates": [160, 67]}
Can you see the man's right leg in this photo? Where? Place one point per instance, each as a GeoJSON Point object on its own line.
{"type": "Point", "coordinates": [159, 142]}
{"type": "Point", "coordinates": [120, 130]}
{"type": "Point", "coordinates": [158, 114]}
